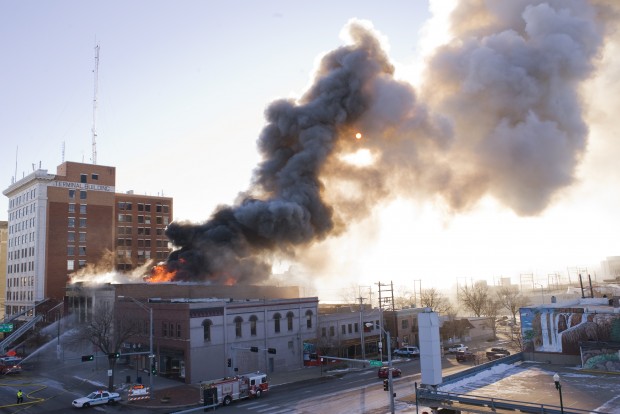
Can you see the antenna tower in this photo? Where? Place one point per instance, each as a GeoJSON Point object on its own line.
{"type": "Point", "coordinates": [96, 72]}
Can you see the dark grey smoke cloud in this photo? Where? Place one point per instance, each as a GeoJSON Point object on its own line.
{"type": "Point", "coordinates": [500, 114]}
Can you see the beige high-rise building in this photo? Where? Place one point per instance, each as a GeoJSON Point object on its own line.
{"type": "Point", "coordinates": [4, 234]}
{"type": "Point", "coordinates": [60, 223]}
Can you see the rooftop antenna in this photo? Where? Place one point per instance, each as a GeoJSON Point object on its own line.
{"type": "Point", "coordinates": [96, 71]}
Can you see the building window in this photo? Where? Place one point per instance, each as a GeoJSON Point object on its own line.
{"type": "Point", "coordinates": [178, 330]}
{"type": "Point", "coordinates": [309, 319]}
{"type": "Point", "coordinates": [71, 208]}
{"type": "Point", "coordinates": [238, 323]}
{"type": "Point", "coordinates": [70, 265]}
{"type": "Point", "coordinates": [164, 329]}
{"type": "Point", "coordinates": [357, 328]}
{"type": "Point", "coordinates": [253, 320]}
{"type": "Point", "coordinates": [289, 320]}
{"type": "Point", "coordinates": [332, 331]}
{"type": "Point", "coordinates": [71, 194]}
{"type": "Point", "coordinates": [71, 222]}
{"type": "Point", "coordinates": [95, 177]}
{"type": "Point", "coordinates": [206, 330]}
{"type": "Point", "coordinates": [70, 251]}
{"type": "Point", "coordinates": [404, 323]}
{"type": "Point", "coordinates": [350, 328]}
{"type": "Point", "coordinates": [276, 322]}
{"type": "Point", "coordinates": [82, 208]}
{"type": "Point", "coordinates": [82, 195]}
{"type": "Point", "coordinates": [323, 332]}
{"type": "Point", "coordinates": [71, 236]}
{"type": "Point", "coordinates": [82, 222]}
{"type": "Point", "coordinates": [83, 178]}
{"type": "Point", "coordinates": [344, 329]}
{"type": "Point", "coordinates": [82, 237]}
{"type": "Point", "coordinates": [82, 250]}
{"type": "Point", "coordinates": [81, 264]}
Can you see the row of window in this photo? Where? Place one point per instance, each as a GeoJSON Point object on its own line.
{"type": "Point", "coordinates": [344, 329]}
{"type": "Point", "coordinates": [142, 231]}
{"type": "Point", "coordinates": [253, 320]}
{"type": "Point", "coordinates": [22, 239]}
{"type": "Point", "coordinates": [27, 196]}
{"type": "Point", "coordinates": [83, 177]}
{"type": "Point", "coordinates": [128, 206]}
{"type": "Point", "coordinates": [71, 237]}
{"type": "Point", "coordinates": [141, 242]}
{"type": "Point", "coordinates": [22, 225]}
{"type": "Point", "coordinates": [71, 250]}
{"type": "Point", "coordinates": [72, 194]}
{"type": "Point", "coordinates": [71, 222]}
{"type": "Point", "coordinates": [21, 253]}
{"type": "Point", "coordinates": [27, 295]}
{"type": "Point", "coordinates": [20, 267]}
{"type": "Point", "coordinates": [72, 208]}
{"type": "Point", "coordinates": [71, 264]}
{"type": "Point", "coordinates": [128, 218]}
{"type": "Point", "coordinates": [20, 281]}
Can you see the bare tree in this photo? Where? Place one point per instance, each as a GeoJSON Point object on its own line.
{"type": "Point", "coordinates": [106, 332]}
{"type": "Point", "coordinates": [432, 298]}
{"type": "Point", "coordinates": [474, 298]}
{"type": "Point", "coordinates": [491, 309]}
{"type": "Point", "coordinates": [512, 300]}
{"type": "Point", "coordinates": [404, 298]}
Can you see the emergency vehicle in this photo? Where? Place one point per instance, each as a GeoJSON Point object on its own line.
{"type": "Point", "coordinates": [230, 389]}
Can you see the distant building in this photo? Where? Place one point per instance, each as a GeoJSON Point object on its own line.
{"type": "Point", "coordinates": [341, 332]}
{"type": "Point", "coordinates": [60, 223]}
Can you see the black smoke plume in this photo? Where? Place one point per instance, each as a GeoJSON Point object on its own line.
{"type": "Point", "coordinates": [501, 116]}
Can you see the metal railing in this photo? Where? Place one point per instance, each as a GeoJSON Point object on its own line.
{"type": "Point", "coordinates": [18, 333]}
{"type": "Point", "coordinates": [450, 400]}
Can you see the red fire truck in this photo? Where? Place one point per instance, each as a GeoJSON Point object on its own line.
{"type": "Point", "coordinates": [230, 389]}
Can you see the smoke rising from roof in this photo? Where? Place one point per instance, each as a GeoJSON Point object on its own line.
{"type": "Point", "coordinates": [499, 113]}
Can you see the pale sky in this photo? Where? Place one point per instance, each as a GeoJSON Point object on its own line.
{"type": "Point", "coordinates": [182, 90]}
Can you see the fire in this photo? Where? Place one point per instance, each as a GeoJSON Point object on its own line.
{"type": "Point", "coordinates": [159, 274]}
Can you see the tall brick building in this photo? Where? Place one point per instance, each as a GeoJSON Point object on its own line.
{"type": "Point", "coordinates": [60, 223]}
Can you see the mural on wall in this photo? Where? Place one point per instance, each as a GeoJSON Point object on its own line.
{"type": "Point", "coordinates": [562, 329]}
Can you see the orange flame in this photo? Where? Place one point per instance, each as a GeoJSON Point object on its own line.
{"type": "Point", "coordinates": [159, 274]}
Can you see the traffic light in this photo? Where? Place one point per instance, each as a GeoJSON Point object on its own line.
{"type": "Point", "coordinates": [254, 349]}
{"type": "Point", "coordinates": [153, 369]}
{"type": "Point", "coordinates": [86, 358]}
{"type": "Point", "coordinates": [271, 350]}
{"type": "Point", "coordinates": [114, 355]}
{"type": "Point", "coordinates": [386, 385]}
{"type": "Point", "coordinates": [229, 362]}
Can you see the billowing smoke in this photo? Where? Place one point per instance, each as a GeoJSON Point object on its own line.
{"type": "Point", "coordinates": [499, 113]}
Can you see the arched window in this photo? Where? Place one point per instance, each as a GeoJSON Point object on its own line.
{"type": "Point", "coordinates": [238, 322]}
{"type": "Point", "coordinates": [309, 319]}
{"type": "Point", "coordinates": [289, 320]}
{"type": "Point", "coordinates": [253, 320]}
{"type": "Point", "coordinates": [276, 322]}
{"type": "Point", "coordinates": [206, 329]}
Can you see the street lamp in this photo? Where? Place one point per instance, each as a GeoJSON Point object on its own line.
{"type": "Point", "coordinates": [150, 311]}
{"type": "Point", "coordinates": [558, 386]}
{"type": "Point", "coordinates": [389, 352]}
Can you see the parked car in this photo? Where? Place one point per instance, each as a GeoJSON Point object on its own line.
{"type": "Point", "coordinates": [383, 372]}
{"type": "Point", "coordinates": [408, 351]}
{"type": "Point", "coordinates": [464, 356]}
{"type": "Point", "coordinates": [96, 398]}
{"type": "Point", "coordinates": [497, 353]}
{"type": "Point", "coordinates": [457, 348]}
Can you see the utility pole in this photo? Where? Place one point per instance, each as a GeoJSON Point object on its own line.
{"type": "Point", "coordinates": [94, 130]}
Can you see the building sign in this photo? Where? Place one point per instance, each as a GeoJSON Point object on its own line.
{"type": "Point", "coordinates": [83, 186]}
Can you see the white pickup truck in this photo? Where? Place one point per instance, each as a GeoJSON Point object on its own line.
{"type": "Point", "coordinates": [96, 398]}
{"type": "Point", "coordinates": [457, 348]}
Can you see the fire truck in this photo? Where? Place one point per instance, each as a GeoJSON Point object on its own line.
{"type": "Point", "coordinates": [230, 389]}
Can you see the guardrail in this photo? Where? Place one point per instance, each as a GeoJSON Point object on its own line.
{"type": "Point", "coordinates": [450, 399]}
{"type": "Point", "coordinates": [510, 359]}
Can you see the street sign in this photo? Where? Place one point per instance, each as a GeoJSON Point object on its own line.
{"type": "Point", "coordinates": [375, 363]}
{"type": "Point", "coordinates": [6, 327]}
